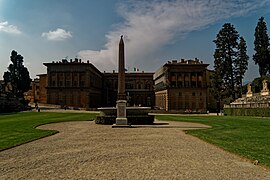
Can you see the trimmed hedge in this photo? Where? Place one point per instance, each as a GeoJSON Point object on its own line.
{"type": "Point", "coordinates": [10, 105]}
{"type": "Point", "coordinates": [259, 112]}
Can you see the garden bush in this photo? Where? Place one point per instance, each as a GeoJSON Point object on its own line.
{"type": "Point", "coordinates": [260, 112]}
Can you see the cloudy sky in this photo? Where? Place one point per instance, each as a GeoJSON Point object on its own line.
{"type": "Point", "coordinates": [154, 30]}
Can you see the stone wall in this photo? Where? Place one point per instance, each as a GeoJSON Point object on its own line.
{"type": "Point", "coordinates": [255, 101]}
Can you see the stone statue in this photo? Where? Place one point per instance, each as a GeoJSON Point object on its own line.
{"type": "Point", "coordinates": [249, 92]}
{"type": "Point", "coordinates": [265, 90]}
{"type": "Point", "coordinates": [264, 83]}
{"type": "Point", "coordinates": [249, 88]}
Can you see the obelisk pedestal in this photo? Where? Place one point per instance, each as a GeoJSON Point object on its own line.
{"type": "Point", "coordinates": [121, 112]}
{"type": "Point", "coordinates": [121, 102]}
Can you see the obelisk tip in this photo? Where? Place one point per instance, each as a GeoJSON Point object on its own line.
{"type": "Point", "coordinates": [121, 40]}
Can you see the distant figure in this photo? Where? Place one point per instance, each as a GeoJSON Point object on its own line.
{"type": "Point", "coordinates": [36, 106]}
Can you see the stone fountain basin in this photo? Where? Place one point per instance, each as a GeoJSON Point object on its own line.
{"type": "Point", "coordinates": [135, 115]}
{"type": "Point", "coordinates": [111, 111]}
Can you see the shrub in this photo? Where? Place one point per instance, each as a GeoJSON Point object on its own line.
{"type": "Point", "coordinates": [260, 112]}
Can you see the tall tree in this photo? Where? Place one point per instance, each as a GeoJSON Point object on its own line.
{"type": "Point", "coordinates": [218, 89]}
{"type": "Point", "coordinates": [225, 55]}
{"type": "Point", "coordinates": [261, 44]}
{"type": "Point", "coordinates": [17, 75]}
{"type": "Point", "coordinates": [241, 64]}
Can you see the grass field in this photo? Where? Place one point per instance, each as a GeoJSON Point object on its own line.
{"type": "Point", "coordinates": [19, 128]}
{"type": "Point", "coordinates": [246, 136]}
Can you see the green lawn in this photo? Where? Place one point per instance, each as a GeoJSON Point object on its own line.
{"type": "Point", "coordinates": [243, 135]}
{"type": "Point", "coordinates": [19, 128]}
{"type": "Point", "coordinates": [246, 136]}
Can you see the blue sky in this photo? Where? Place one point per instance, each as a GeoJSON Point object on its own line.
{"type": "Point", "coordinates": [154, 31]}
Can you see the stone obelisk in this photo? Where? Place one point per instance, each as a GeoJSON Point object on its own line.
{"type": "Point", "coordinates": [121, 96]}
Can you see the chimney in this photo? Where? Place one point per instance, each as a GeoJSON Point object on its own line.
{"type": "Point", "coordinates": [174, 61]}
{"type": "Point", "coordinates": [64, 61]}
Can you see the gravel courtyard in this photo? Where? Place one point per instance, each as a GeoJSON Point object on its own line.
{"type": "Point", "coordinates": [84, 150]}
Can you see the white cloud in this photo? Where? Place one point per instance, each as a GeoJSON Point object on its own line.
{"type": "Point", "coordinates": [150, 25]}
{"type": "Point", "coordinates": [57, 35]}
{"type": "Point", "coordinates": [5, 27]}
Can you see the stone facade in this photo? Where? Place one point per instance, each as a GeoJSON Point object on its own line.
{"type": "Point", "coordinates": [33, 94]}
{"type": "Point", "coordinates": [37, 92]}
{"type": "Point", "coordinates": [139, 89]}
{"type": "Point", "coordinates": [74, 83]}
{"type": "Point", "coordinates": [42, 88]}
{"type": "Point", "coordinates": [182, 86]}
{"type": "Point", "coordinates": [81, 84]}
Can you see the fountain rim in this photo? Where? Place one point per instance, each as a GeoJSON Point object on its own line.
{"type": "Point", "coordinates": [111, 108]}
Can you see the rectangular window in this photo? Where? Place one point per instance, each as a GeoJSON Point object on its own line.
{"type": "Point", "coordinates": [67, 83]}
{"type": "Point", "coordinates": [53, 83]}
{"type": "Point", "coordinates": [193, 84]}
{"type": "Point", "coordinates": [179, 81]}
{"type": "Point", "coordinates": [173, 83]}
{"type": "Point", "coordinates": [186, 83]}
{"type": "Point", "coordinates": [199, 83]}
{"type": "Point", "coordinates": [81, 83]}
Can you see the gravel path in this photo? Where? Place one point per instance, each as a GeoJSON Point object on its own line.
{"type": "Point", "coordinates": [84, 150]}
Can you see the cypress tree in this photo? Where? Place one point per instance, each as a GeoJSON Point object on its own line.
{"type": "Point", "coordinates": [241, 64]}
{"type": "Point", "coordinates": [261, 44]}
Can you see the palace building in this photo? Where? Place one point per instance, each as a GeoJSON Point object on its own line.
{"type": "Point", "coordinates": [74, 83]}
{"type": "Point", "coordinates": [79, 84]}
{"type": "Point", "coordinates": [183, 86]}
